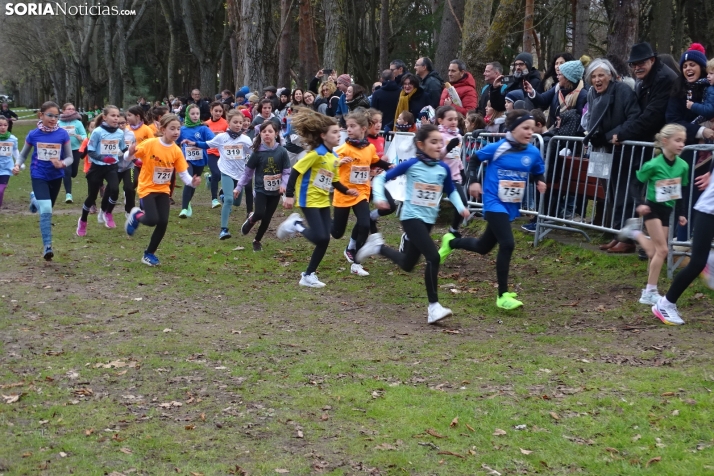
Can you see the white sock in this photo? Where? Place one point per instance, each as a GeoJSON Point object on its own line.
{"type": "Point", "coordinates": [664, 302]}
{"type": "Point", "coordinates": [651, 287]}
{"type": "Point", "coordinates": [451, 230]}
{"type": "Point", "coordinates": [299, 227]}
{"type": "Point", "coordinates": [374, 215]}
{"type": "Point", "coordinates": [352, 245]}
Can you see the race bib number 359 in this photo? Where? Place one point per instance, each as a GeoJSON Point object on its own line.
{"type": "Point", "coordinates": [426, 195]}
{"type": "Point", "coordinates": [666, 190]}
{"type": "Point", "coordinates": [511, 191]}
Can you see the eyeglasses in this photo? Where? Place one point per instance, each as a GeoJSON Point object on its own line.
{"type": "Point", "coordinates": [50, 115]}
{"type": "Point", "coordinates": [638, 64]}
{"type": "Point", "coordinates": [519, 64]}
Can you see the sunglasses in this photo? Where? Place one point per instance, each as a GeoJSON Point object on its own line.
{"type": "Point", "coordinates": [50, 115]}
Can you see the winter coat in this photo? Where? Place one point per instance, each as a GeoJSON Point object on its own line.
{"type": "Point", "coordinates": [677, 110]}
{"type": "Point", "coordinates": [549, 99]}
{"type": "Point", "coordinates": [619, 112]}
{"type": "Point", "coordinates": [433, 85]}
{"type": "Point", "coordinates": [417, 102]}
{"type": "Point", "coordinates": [385, 100]}
{"type": "Point", "coordinates": [498, 95]}
{"type": "Point", "coordinates": [466, 89]}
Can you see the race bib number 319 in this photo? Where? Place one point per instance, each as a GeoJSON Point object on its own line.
{"type": "Point", "coordinates": [323, 180]}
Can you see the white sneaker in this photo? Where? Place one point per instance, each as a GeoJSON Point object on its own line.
{"type": "Point", "coordinates": [631, 225]}
{"type": "Point", "coordinates": [357, 269]}
{"type": "Point", "coordinates": [100, 217]}
{"type": "Point", "coordinates": [437, 312]}
{"type": "Point", "coordinates": [311, 281]}
{"type": "Point", "coordinates": [371, 247]}
{"type": "Point", "coordinates": [667, 313]}
{"type": "Point", "coordinates": [650, 297]}
{"type": "Point", "coordinates": [287, 228]}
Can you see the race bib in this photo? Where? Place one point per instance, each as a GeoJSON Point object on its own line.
{"type": "Point", "coordinates": [193, 153]}
{"type": "Point", "coordinates": [233, 152]}
{"type": "Point", "coordinates": [426, 195]}
{"type": "Point", "coordinates": [5, 149]}
{"type": "Point", "coordinates": [666, 190]}
{"type": "Point", "coordinates": [162, 175]}
{"type": "Point", "coordinates": [359, 174]}
{"type": "Point", "coordinates": [70, 129]}
{"type": "Point", "coordinates": [511, 191]}
{"type": "Point", "coordinates": [323, 180]}
{"type": "Point", "coordinates": [109, 147]}
{"type": "Point", "coordinates": [47, 151]}
{"type": "Point", "coordinates": [271, 183]}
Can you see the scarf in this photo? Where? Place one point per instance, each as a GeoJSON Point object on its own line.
{"type": "Point", "coordinates": [133, 128]}
{"type": "Point", "coordinates": [403, 127]}
{"type": "Point", "coordinates": [43, 128]}
{"type": "Point", "coordinates": [6, 135]}
{"type": "Point", "coordinates": [108, 128]}
{"type": "Point", "coordinates": [403, 104]}
{"type": "Point", "coordinates": [598, 106]}
{"type": "Point", "coordinates": [358, 143]}
{"type": "Point", "coordinates": [426, 159]}
{"type": "Point", "coordinates": [570, 99]}
{"type": "Point", "coordinates": [695, 90]}
{"type": "Point", "coordinates": [264, 147]}
{"type": "Point", "coordinates": [454, 131]}
{"type": "Point", "coordinates": [515, 145]}
{"type": "Point", "coordinates": [189, 123]}
{"type": "Point", "coordinates": [234, 135]}
{"type": "Point", "coordinates": [70, 117]}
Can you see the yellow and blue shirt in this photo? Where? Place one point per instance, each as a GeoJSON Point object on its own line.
{"type": "Point", "coordinates": [318, 169]}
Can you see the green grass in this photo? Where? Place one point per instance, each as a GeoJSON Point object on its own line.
{"type": "Point", "coordinates": [256, 361]}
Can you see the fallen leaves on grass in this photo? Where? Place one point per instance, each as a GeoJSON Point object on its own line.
{"type": "Point", "coordinates": [170, 404]}
{"type": "Point", "coordinates": [470, 427]}
{"type": "Point", "coordinates": [434, 433]}
{"type": "Point", "coordinates": [636, 437]}
{"type": "Point", "coordinates": [490, 470]}
{"type": "Point", "coordinates": [117, 364]}
{"type": "Point", "coordinates": [526, 452]}
{"type": "Point", "coordinates": [125, 451]}
{"type": "Point", "coordinates": [14, 398]}
{"type": "Point", "coordinates": [612, 450]}
{"type": "Point", "coordinates": [300, 434]}
{"type": "Point", "coordinates": [26, 455]}
{"type": "Point", "coordinates": [190, 427]}
{"type": "Point", "coordinates": [282, 471]}
{"type": "Point", "coordinates": [88, 432]}
{"type": "Point", "coordinates": [385, 447]}
{"type": "Point", "coordinates": [555, 416]}
{"type": "Point", "coordinates": [499, 432]}
{"type": "Point", "coordinates": [656, 459]}
{"type": "Point", "coordinates": [192, 473]}
{"type": "Point", "coordinates": [238, 471]}
{"type": "Point", "coordinates": [12, 385]}
{"type": "Point", "coordinates": [451, 453]}
{"type": "Point", "coordinates": [675, 412]}
{"type": "Point", "coordinates": [454, 422]}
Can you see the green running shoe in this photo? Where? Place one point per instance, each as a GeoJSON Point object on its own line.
{"type": "Point", "coordinates": [508, 301]}
{"type": "Point", "coordinates": [445, 249]}
{"type": "Point", "coordinates": [190, 210]}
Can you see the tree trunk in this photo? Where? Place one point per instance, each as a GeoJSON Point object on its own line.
{"type": "Point", "coordinates": [172, 15]}
{"type": "Point", "coordinates": [255, 43]}
{"type": "Point", "coordinates": [582, 27]}
{"type": "Point", "coordinates": [450, 34]}
{"type": "Point", "coordinates": [661, 27]}
{"type": "Point", "coordinates": [384, 35]}
{"type": "Point", "coordinates": [308, 45]}
{"type": "Point", "coordinates": [679, 27]}
{"type": "Point", "coordinates": [284, 56]}
{"type": "Point", "coordinates": [113, 80]}
{"type": "Point", "coordinates": [330, 52]}
{"type": "Point", "coordinates": [528, 27]}
{"type": "Point", "coordinates": [234, 14]}
{"type": "Point", "coordinates": [623, 28]}
{"type": "Point", "coordinates": [700, 20]}
{"type": "Point", "coordinates": [226, 76]}
{"type": "Point", "coordinates": [476, 24]}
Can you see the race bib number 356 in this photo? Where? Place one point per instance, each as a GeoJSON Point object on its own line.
{"type": "Point", "coordinates": [193, 153]}
{"type": "Point", "coordinates": [666, 190]}
{"type": "Point", "coordinates": [426, 195]}
{"type": "Point", "coordinates": [511, 191]}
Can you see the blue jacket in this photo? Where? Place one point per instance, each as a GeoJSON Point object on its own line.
{"type": "Point", "coordinates": [706, 107]}
{"type": "Point", "coordinates": [198, 133]}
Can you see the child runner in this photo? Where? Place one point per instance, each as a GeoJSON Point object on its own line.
{"type": "Point", "coordinates": [448, 119]}
{"type": "Point", "coordinates": [664, 176]}
{"type": "Point", "coordinates": [136, 118]}
{"type": "Point", "coordinates": [270, 164]}
{"type": "Point", "coordinates": [9, 154]}
{"type": "Point", "coordinates": [105, 149]}
{"type": "Point", "coordinates": [314, 174]}
{"type": "Point", "coordinates": [218, 124]}
{"type": "Point", "coordinates": [124, 171]}
{"type": "Point", "coordinates": [373, 136]}
{"type": "Point", "coordinates": [160, 157]}
{"type": "Point", "coordinates": [703, 221]}
{"type": "Point", "coordinates": [51, 154]}
{"type": "Point", "coordinates": [193, 130]}
{"type": "Point", "coordinates": [509, 160]}
{"type": "Point", "coordinates": [357, 157]}
{"type": "Point", "coordinates": [427, 179]}
{"type": "Point", "coordinates": [71, 121]}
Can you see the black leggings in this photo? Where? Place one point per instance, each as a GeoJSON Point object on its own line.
{"type": "Point", "coordinates": [498, 231]}
{"type": "Point", "coordinates": [382, 213]}
{"type": "Point", "coordinates": [215, 175]}
{"type": "Point", "coordinates": [129, 191]}
{"type": "Point", "coordinates": [188, 192]}
{"type": "Point", "coordinates": [70, 174]}
{"type": "Point", "coordinates": [265, 206]}
{"type": "Point", "coordinates": [318, 233]}
{"type": "Point", "coordinates": [420, 243]}
{"type": "Point", "coordinates": [360, 231]}
{"type": "Point", "coordinates": [95, 179]}
{"type": "Point", "coordinates": [701, 246]}
{"type": "Point", "coordinates": [156, 208]}
{"type": "Point", "coordinates": [458, 219]}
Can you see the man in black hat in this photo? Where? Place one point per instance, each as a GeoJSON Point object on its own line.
{"type": "Point", "coordinates": [654, 84]}
{"type": "Point", "coordinates": [271, 92]}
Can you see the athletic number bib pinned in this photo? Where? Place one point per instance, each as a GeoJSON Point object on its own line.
{"type": "Point", "coordinates": [359, 175]}
{"type": "Point", "coordinates": [426, 195]}
{"type": "Point", "coordinates": [47, 151]}
{"type": "Point", "coordinates": [511, 191]}
{"type": "Point", "coordinates": [162, 175]}
{"type": "Point", "coordinates": [193, 153]}
{"type": "Point", "coordinates": [233, 152]}
{"type": "Point", "coordinates": [666, 190]}
{"type": "Point", "coordinates": [271, 183]}
{"type": "Point", "coordinates": [70, 129]}
{"type": "Point", "coordinates": [109, 147]}
{"type": "Point", "coordinates": [323, 180]}
{"type": "Point", "coordinates": [5, 149]}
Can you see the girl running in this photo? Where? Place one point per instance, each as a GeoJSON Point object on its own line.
{"type": "Point", "coordinates": [9, 154]}
{"type": "Point", "coordinates": [427, 178]}
{"type": "Point", "coordinates": [315, 173]}
{"type": "Point", "coordinates": [51, 154]}
{"type": "Point", "coordinates": [664, 176]}
{"type": "Point", "coordinates": [218, 124]}
{"type": "Point", "coordinates": [193, 130]}
{"type": "Point", "coordinates": [357, 157]}
{"type": "Point", "coordinates": [509, 160]}
{"type": "Point", "coordinates": [160, 157]}
{"type": "Point", "coordinates": [71, 121]}
{"type": "Point", "coordinates": [124, 171]}
{"type": "Point", "coordinates": [448, 120]}
{"type": "Point", "coordinates": [137, 121]}
{"type": "Point", "coordinates": [270, 164]}
{"type": "Point", "coordinates": [105, 149]}
{"type": "Point", "coordinates": [373, 136]}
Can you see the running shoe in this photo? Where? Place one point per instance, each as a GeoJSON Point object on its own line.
{"type": "Point", "coordinates": [349, 254]}
{"type": "Point", "coordinates": [371, 247]}
{"type": "Point", "coordinates": [437, 312]}
{"type": "Point", "coordinates": [357, 269]}
{"type": "Point", "coordinates": [48, 254]}
{"type": "Point", "coordinates": [631, 226]}
{"type": "Point", "coordinates": [529, 227]}
{"type": "Point", "coordinates": [224, 234]}
{"type": "Point", "coordinates": [221, 197]}
{"type": "Point", "coordinates": [68, 198]}
{"type": "Point", "coordinates": [183, 213]}
{"type": "Point", "coordinates": [215, 203]}
{"type": "Point", "coordinates": [403, 243]}
{"type": "Point", "coordinates": [100, 217]}
{"type": "Point", "coordinates": [650, 297]}
{"type": "Point", "coordinates": [247, 225]}
{"type": "Point", "coordinates": [150, 259]}
{"type": "Point", "coordinates": [288, 228]}
{"type": "Point", "coordinates": [109, 220]}
{"type": "Point", "coordinates": [257, 246]}
{"type": "Point", "coordinates": [33, 203]}
{"type": "Point", "coordinates": [508, 301]}
{"type": "Point", "coordinates": [667, 313]}
{"type": "Point", "coordinates": [446, 249]}
{"type": "Point", "coordinates": [190, 209]}
{"type": "Point", "coordinates": [310, 280]}
{"type": "Point", "coordinates": [132, 223]}
{"type": "Point", "coordinates": [81, 227]}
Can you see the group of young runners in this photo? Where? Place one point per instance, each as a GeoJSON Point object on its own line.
{"type": "Point", "coordinates": [330, 182]}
